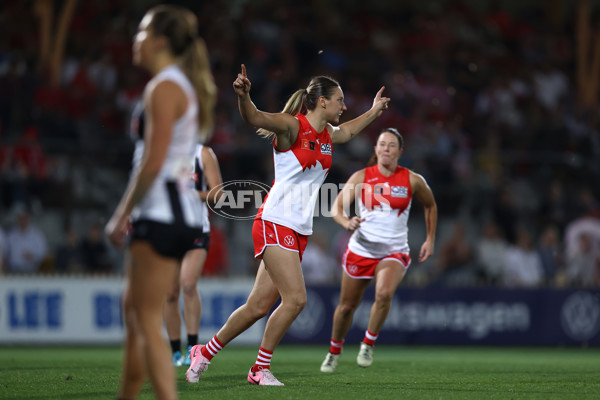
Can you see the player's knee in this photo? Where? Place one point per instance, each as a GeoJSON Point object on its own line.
{"type": "Point", "coordinates": [383, 296]}
{"type": "Point", "coordinates": [347, 308]}
{"type": "Point", "coordinates": [296, 303]}
{"type": "Point", "coordinates": [189, 289]}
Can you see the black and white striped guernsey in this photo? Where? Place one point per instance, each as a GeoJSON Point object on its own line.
{"type": "Point", "coordinates": [171, 199]}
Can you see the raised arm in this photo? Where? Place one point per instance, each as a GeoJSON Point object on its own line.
{"type": "Point", "coordinates": [422, 192]}
{"type": "Point", "coordinates": [212, 172]}
{"type": "Point", "coordinates": [283, 125]}
{"type": "Point", "coordinates": [345, 198]}
{"type": "Point", "coordinates": [347, 130]}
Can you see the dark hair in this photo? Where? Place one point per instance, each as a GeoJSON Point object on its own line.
{"type": "Point", "coordinates": [180, 27]}
{"type": "Point", "coordinates": [398, 135]}
{"type": "Point", "coordinates": [318, 86]}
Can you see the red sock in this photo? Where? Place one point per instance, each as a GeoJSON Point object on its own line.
{"type": "Point", "coordinates": [370, 338]}
{"type": "Point", "coordinates": [335, 346]}
{"type": "Point", "coordinates": [212, 348]}
{"type": "Point", "coordinates": [263, 360]}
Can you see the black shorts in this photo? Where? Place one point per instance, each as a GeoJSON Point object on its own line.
{"type": "Point", "coordinates": [202, 242]}
{"type": "Point", "coordinates": [169, 240]}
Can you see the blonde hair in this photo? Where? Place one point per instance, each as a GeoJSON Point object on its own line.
{"type": "Point", "coordinates": [318, 86]}
{"type": "Point", "coordinates": [180, 27]}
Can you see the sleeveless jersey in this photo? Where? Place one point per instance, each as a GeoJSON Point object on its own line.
{"type": "Point", "coordinates": [199, 184]}
{"type": "Point", "coordinates": [170, 199]}
{"type": "Point", "coordinates": [384, 204]}
{"type": "Point", "coordinates": [299, 173]}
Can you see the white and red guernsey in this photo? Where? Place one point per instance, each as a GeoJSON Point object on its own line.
{"type": "Point", "coordinates": [384, 205]}
{"type": "Point", "coordinates": [299, 173]}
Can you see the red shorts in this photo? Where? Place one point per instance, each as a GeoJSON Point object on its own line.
{"type": "Point", "coordinates": [360, 267]}
{"type": "Point", "coordinates": [265, 233]}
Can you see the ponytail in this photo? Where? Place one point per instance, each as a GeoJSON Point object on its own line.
{"type": "Point", "coordinates": [292, 107]}
{"type": "Point", "coordinates": [180, 26]}
{"type": "Point", "coordinates": [195, 64]}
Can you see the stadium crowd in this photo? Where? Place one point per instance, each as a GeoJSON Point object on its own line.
{"type": "Point", "coordinates": [485, 94]}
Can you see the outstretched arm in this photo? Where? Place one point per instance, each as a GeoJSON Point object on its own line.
{"type": "Point", "coordinates": [422, 192]}
{"type": "Point", "coordinates": [347, 130]}
{"type": "Point", "coordinates": [281, 124]}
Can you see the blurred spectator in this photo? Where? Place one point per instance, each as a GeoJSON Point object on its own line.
{"type": "Point", "coordinates": [583, 263]}
{"type": "Point", "coordinates": [550, 251]}
{"type": "Point", "coordinates": [523, 265]}
{"type": "Point", "coordinates": [23, 169]}
{"type": "Point", "coordinates": [26, 244]}
{"type": "Point", "coordinates": [454, 263]}
{"type": "Point", "coordinates": [318, 266]}
{"type": "Point", "coordinates": [67, 258]}
{"type": "Point", "coordinates": [491, 250]}
{"type": "Point", "coordinates": [94, 251]}
{"type": "Point", "coordinates": [551, 255]}
{"type": "Point", "coordinates": [586, 225]}
{"type": "Point", "coordinates": [550, 86]}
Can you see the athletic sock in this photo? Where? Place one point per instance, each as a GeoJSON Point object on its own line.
{"type": "Point", "coordinates": [192, 340]}
{"type": "Point", "coordinates": [212, 348]}
{"type": "Point", "coordinates": [335, 346]}
{"type": "Point", "coordinates": [263, 360]}
{"type": "Point", "coordinates": [175, 345]}
{"type": "Point", "coordinates": [370, 338]}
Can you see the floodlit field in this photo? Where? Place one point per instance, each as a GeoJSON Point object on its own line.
{"type": "Point", "coordinates": [398, 373]}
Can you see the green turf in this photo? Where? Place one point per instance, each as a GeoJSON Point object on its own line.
{"type": "Point", "coordinates": [398, 373]}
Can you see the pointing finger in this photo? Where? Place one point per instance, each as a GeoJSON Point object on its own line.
{"type": "Point", "coordinates": [243, 70]}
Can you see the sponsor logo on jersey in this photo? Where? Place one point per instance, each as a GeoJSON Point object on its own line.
{"type": "Point", "coordinates": [326, 148]}
{"type": "Point", "coordinates": [372, 179]}
{"type": "Point", "coordinates": [378, 189]}
{"type": "Point", "coordinates": [308, 145]}
{"type": "Point", "coordinates": [288, 240]}
{"type": "Point", "coordinates": [399, 191]}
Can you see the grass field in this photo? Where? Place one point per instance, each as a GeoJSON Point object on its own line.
{"type": "Point", "coordinates": [438, 373]}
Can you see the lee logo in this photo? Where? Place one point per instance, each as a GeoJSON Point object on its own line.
{"type": "Point", "coordinates": [326, 148]}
